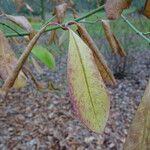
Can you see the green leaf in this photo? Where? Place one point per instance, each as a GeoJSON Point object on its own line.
{"type": "Point", "coordinates": [86, 87]}
{"type": "Point", "coordinates": [44, 56]}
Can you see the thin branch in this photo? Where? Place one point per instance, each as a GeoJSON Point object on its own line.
{"type": "Point", "coordinates": [58, 26]}
{"type": "Point", "coordinates": [135, 29]}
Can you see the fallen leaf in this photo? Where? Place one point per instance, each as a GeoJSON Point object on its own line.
{"type": "Point", "coordinates": [139, 132]}
{"type": "Point", "coordinates": [87, 90]}
{"type": "Point", "coordinates": [113, 41]}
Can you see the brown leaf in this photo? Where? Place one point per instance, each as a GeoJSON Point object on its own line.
{"type": "Point", "coordinates": [21, 4]}
{"type": "Point", "coordinates": [99, 59]}
{"type": "Point", "coordinates": [53, 38]}
{"type": "Point", "coordinates": [114, 8]}
{"type": "Point", "coordinates": [139, 132]}
{"type": "Point", "coordinates": [147, 9]}
{"type": "Point", "coordinates": [8, 61]}
{"type": "Point", "coordinates": [113, 41]}
{"type": "Point", "coordinates": [60, 11]}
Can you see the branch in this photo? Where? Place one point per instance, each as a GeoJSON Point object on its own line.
{"type": "Point", "coordinates": [58, 26]}
{"type": "Point", "coordinates": [135, 29]}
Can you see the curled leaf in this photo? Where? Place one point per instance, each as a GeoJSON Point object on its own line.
{"type": "Point", "coordinates": [44, 56]}
{"type": "Point", "coordinates": [98, 57]}
{"type": "Point", "coordinates": [139, 132]}
{"type": "Point", "coordinates": [53, 38]}
{"type": "Point", "coordinates": [86, 87]}
{"type": "Point", "coordinates": [147, 9]}
{"type": "Point", "coordinates": [113, 41]}
{"type": "Point", "coordinates": [8, 61]}
{"type": "Point", "coordinates": [114, 8]}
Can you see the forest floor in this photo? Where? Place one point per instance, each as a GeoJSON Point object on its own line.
{"type": "Point", "coordinates": [33, 120]}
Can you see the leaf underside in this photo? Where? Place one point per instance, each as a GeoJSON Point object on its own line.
{"type": "Point", "coordinates": [86, 87]}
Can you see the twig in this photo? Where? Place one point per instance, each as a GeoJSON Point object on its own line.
{"type": "Point", "coordinates": [58, 26]}
{"type": "Point", "coordinates": [135, 29]}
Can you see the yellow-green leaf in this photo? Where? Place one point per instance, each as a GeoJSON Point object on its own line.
{"type": "Point", "coordinates": [139, 132]}
{"type": "Point", "coordinates": [86, 87]}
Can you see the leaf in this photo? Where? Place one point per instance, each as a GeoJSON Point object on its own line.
{"type": "Point", "coordinates": [53, 37]}
{"type": "Point", "coordinates": [98, 57]}
{"type": "Point", "coordinates": [139, 132]}
{"type": "Point", "coordinates": [114, 8]}
{"type": "Point", "coordinates": [86, 87]}
{"type": "Point", "coordinates": [147, 9]}
{"type": "Point", "coordinates": [22, 22]}
{"type": "Point", "coordinates": [113, 41]}
{"type": "Point", "coordinates": [62, 38]}
{"type": "Point", "coordinates": [21, 61]}
{"type": "Point", "coordinates": [37, 66]}
{"type": "Point", "coordinates": [60, 11]}
{"type": "Point", "coordinates": [8, 61]}
{"type": "Point", "coordinates": [44, 56]}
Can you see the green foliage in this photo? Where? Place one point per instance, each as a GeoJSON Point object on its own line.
{"type": "Point", "coordinates": [44, 56]}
